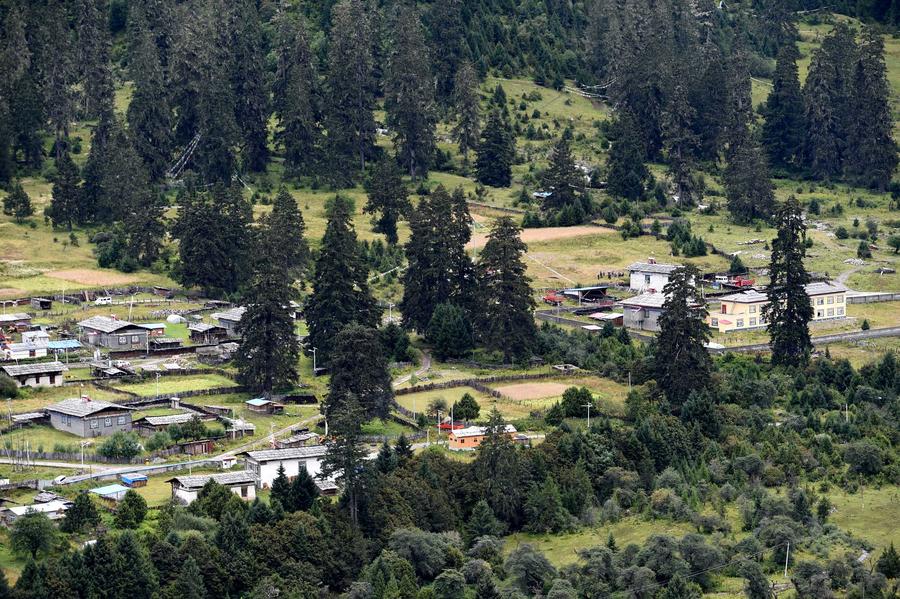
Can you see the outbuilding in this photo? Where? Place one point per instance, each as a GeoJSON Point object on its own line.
{"type": "Point", "coordinates": [650, 275]}
{"type": "Point", "coordinates": [469, 438]}
{"type": "Point", "coordinates": [114, 492]}
{"type": "Point", "coordinates": [264, 463]}
{"type": "Point", "coordinates": [54, 510]}
{"type": "Point", "coordinates": [206, 333]}
{"type": "Point", "coordinates": [19, 321]}
{"type": "Point", "coordinates": [41, 374]}
{"type": "Point", "coordinates": [229, 319]}
{"type": "Point", "coordinates": [186, 488]}
{"type": "Point", "coordinates": [22, 351]}
{"type": "Point", "coordinates": [261, 405]}
{"type": "Point", "coordinates": [133, 481]}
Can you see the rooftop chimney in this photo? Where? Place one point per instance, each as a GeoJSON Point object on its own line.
{"type": "Point", "coordinates": [651, 260]}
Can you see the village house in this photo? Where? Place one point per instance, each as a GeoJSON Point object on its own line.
{"type": "Point", "coordinates": [19, 321]}
{"type": "Point", "coordinates": [469, 438]}
{"type": "Point", "coordinates": [149, 425]}
{"type": "Point", "coordinates": [41, 374]}
{"type": "Point", "coordinates": [186, 488]}
{"type": "Point", "coordinates": [54, 510]}
{"type": "Point", "coordinates": [22, 351]}
{"type": "Point", "coordinates": [744, 310]}
{"type": "Point", "coordinates": [113, 334]}
{"type": "Point", "coordinates": [41, 338]}
{"type": "Point", "coordinates": [206, 333]}
{"type": "Point", "coordinates": [261, 405]}
{"type": "Point", "coordinates": [302, 438]}
{"type": "Point", "coordinates": [113, 493]}
{"type": "Point", "coordinates": [85, 417]}
{"type": "Point", "coordinates": [642, 312]}
{"type": "Point", "coordinates": [264, 463]}
{"type": "Point", "coordinates": [650, 275]}
{"type": "Point", "coordinates": [229, 320]}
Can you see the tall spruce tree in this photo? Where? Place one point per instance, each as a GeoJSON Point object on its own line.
{"type": "Point", "coordinates": [286, 225]}
{"type": "Point", "coordinates": [269, 351]}
{"type": "Point", "coordinates": [680, 143]}
{"type": "Point", "coordinates": [826, 96]}
{"type": "Point", "coordinates": [22, 106]}
{"type": "Point", "coordinates": [387, 197]}
{"type": "Point", "coordinates": [466, 110]}
{"type": "Point", "coordinates": [56, 61]}
{"type": "Point", "coordinates": [748, 189]}
{"type": "Point", "coordinates": [439, 270]}
{"type": "Point", "coordinates": [346, 455]}
{"type": "Point", "coordinates": [249, 82]}
{"type": "Point", "coordinates": [359, 370]}
{"type": "Point", "coordinates": [17, 203]}
{"type": "Point", "coordinates": [351, 91]}
{"type": "Point", "coordinates": [496, 150]}
{"type": "Point", "coordinates": [340, 290]}
{"type": "Point", "coordinates": [681, 363]}
{"type": "Point", "coordinates": [149, 116]}
{"type": "Point", "coordinates": [783, 128]}
{"type": "Point", "coordinates": [447, 40]}
{"type": "Point", "coordinates": [93, 50]}
{"type": "Point", "coordinates": [296, 97]}
{"type": "Point", "coordinates": [564, 182]}
{"type": "Point", "coordinates": [409, 94]}
{"type": "Point", "coordinates": [789, 310]}
{"type": "Point", "coordinates": [507, 319]}
{"type": "Point", "coordinates": [873, 158]}
{"type": "Point", "coordinates": [626, 173]}
{"type": "Point", "coordinates": [64, 203]}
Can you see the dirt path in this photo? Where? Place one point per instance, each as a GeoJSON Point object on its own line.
{"type": "Point", "coordinates": [426, 366]}
{"type": "Point", "coordinates": [842, 278]}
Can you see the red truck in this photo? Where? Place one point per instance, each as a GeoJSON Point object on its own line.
{"type": "Point", "coordinates": [553, 298]}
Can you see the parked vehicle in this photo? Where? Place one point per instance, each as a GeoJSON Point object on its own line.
{"type": "Point", "coordinates": [103, 300]}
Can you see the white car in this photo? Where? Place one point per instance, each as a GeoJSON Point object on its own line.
{"type": "Point", "coordinates": [104, 300]}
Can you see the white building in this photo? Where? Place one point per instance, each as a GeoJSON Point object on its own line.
{"type": "Point", "coordinates": [40, 374]}
{"type": "Point", "coordinates": [22, 351]}
{"type": "Point", "coordinates": [186, 488]}
{"type": "Point", "coordinates": [40, 338]}
{"type": "Point", "coordinates": [54, 510]}
{"type": "Point", "coordinates": [649, 276]}
{"type": "Point", "coordinates": [264, 463]}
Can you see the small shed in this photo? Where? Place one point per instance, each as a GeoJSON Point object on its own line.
{"type": "Point", "coordinates": [133, 481]}
{"type": "Point", "coordinates": [164, 343]}
{"type": "Point", "coordinates": [41, 303]}
{"type": "Point", "coordinates": [19, 321]}
{"type": "Point", "coordinates": [197, 447]}
{"type": "Point", "coordinates": [203, 332]}
{"type": "Point", "coordinates": [156, 329]}
{"type": "Point", "coordinates": [262, 405]}
{"type": "Point", "coordinates": [114, 492]}
{"type": "Point", "coordinates": [616, 318]}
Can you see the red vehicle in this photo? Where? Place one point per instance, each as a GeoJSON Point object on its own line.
{"type": "Point", "coordinates": [743, 281]}
{"type": "Point", "coordinates": [554, 299]}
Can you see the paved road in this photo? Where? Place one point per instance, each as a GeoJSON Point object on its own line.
{"type": "Point", "coordinates": [66, 465]}
{"type": "Point", "coordinates": [821, 340]}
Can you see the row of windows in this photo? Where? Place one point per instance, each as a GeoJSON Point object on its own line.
{"type": "Point", "coordinates": [123, 339]}
{"type": "Point", "coordinates": [95, 422]}
{"type": "Point", "coordinates": [829, 312]}
{"type": "Point", "coordinates": [820, 301]}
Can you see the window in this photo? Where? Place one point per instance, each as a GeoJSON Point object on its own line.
{"type": "Point", "coordinates": [646, 279]}
{"type": "Point", "coordinates": [840, 311]}
{"type": "Point", "coordinates": [95, 423]}
{"type": "Point", "coordinates": [840, 299]}
{"type": "Point", "coordinates": [830, 311]}
{"type": "Point", "coordinates": [31, 353]}
{"type": "Point", "coordinates": [752, 309]}
{"type": "Point", "coordinates": [135, 339]}
{"type": "Point", "coordinates": [107, 422]}
{"type": "Point", "coordinates": [123, 340]}
{"type": "Point", "coordinates": [830, 299]}
{"type": "Point", "coordinates": [740, 322]}
{"type": "Point", "coordinates": [820, 301]}
{"type": "Point", "coordinates": [752, 322]}
{"type": "Point", "coordinates": [121, 420]}
{"type": "Point", "coordinates": [724, 309]}
{"type": "Point", "coordinates": [820, 313]}
{"type": "Point", "coordinates": [715, 322]}
{"type": "Point", "coordinates": [244, 491]}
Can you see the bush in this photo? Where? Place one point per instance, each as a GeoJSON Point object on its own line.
{"type": "Point", "coordinates": [841, 232]}
{"type": "Point", "coordinates": [120, 446]}
{"type": "Point", "coordinates": [863, 250]}
{"type": "Point", "coordinates": [8, 387]}
{"type": "Point", "coordinates": [159, 440]}
{"type": "Point", "coordinates": [131, 511]}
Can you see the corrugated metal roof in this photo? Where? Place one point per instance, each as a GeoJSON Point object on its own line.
{"type": "Point", "coordinates": [167, 420]}
{"type": "Point", "coordinates": [81, 408]}
{"type": "Point", "coordinates": [663, 269]}
{"type": "Point", "coordinates": [479, 431]}
{"type": "Point", "coordinates": [751, 296]}
{"type": "Point", "coordinates": [258, 402]}
{"type": "Point", "coordinates": [14, 317]}
{"type": "Point", "coordinates": [64, 344]}
{"type": "Point", "coordinates": [234, 314]}
{"type": "Point", "coordinates": [108, 490]}
{"type": "Point", "coordinates": [50, 506]}
{"type": "Point", "coordinates": [38, 368]}
{"type": "Point", "coordinates": [291, 453]}
{"type": "Point", "coordinates": [105, 324]}
{"type": "Point", "coordinates": [226, 478]}
{"type": "Point", "coordinates": [823, 288]}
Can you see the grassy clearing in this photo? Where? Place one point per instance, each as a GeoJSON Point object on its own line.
{"type": "Point", "coordinates": [42, 438]}
{"type": "Point", "coordinates": [864, 351]}
{"type": "Point", "coordinates": [177, 384]}
{"type": "Point", "coordinates": [870, 514]}
{"type": "Point", "coordinates": [41, 397]}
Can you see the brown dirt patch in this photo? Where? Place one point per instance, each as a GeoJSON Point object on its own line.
{"type": "Point", "coordinates": [526, 391]}
{"type": "Point", "coordinates": [547, 234]}
{"type": "Point", "coordinates": [11, 292]}
{"type": "Point", "coordinates": [87, 276]}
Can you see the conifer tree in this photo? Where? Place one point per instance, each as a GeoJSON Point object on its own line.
{"type": "Point", "coordinates": [783, 128]}
{"type": "Point", "coordinates": [496, 150]}
{"type": "Point", "coordinates": [409, 94]}
{"type": "Point", "coordinates": [296, 97]}
{"type": "Point", "coordinates": [359, 371]}
{"type": "Point", "coordinates": [447, 40]}
{"type": "Point", "coordinates": [17, 203]}
{"type": "Point", "coordinates": [466, 109]}
{"type": "Point", "coordinates": [189, 583]}
{"type": "Point", "coordinates": [739, 108]}
{"type": "Point", "coordinates": [563, 181]}
{"type": "Point", "coordinates": [15, 60]}
{"type": "Point", "coordinates": [826, 103]}
{"type": "Point", "coordinates": [340, 293]}
{"type": "Point", "coordinates": [93, 57]}
{"type": "Point", "coordinates": [680, 143]}
{"type": "Point", "coordinates": [873, 158]}
{"type": "Point", "coordinates": [626, 173]}
{"type": "Point", "coordinates": [287, 229]}
{"type": "Point", "coordinates": [248, 82]}
{"type": "Point", "coordinates": [57, 67]}
{"type": "Point", "coordinates": [95, 168]}
{"type": "Point", "coordinates": [449, 332]}
{"type": "Point", "coordinates": [387, 197]}
{"type": "Point", "coordinates": [81, 515]}
{"type": "Point", "coordinates": [351, 91]}
{"type": "Point", "coordinates": [140, 581]}
{"type": "Point", "coordinates": [789, 310]}
{"type": "Point", "coordinates": [346, 454]}
{"type": "Point", "coordinates": [439, 270]}
{"type": "Point", "coordinates": [269, 351]}
{"type": "Point", "coordinates": [750, 192]}
{"type": "Point", "coordinates": [281, 488]}
{"type": "Point", "coordinates": [507, 319]}
{"type": "Point", "coordinates": [149, 117]}
{"type": "Point", "coordinates": [303, 491]}
{"type": "Point", "coordinates": [681, 362]}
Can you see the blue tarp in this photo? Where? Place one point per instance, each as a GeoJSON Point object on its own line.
{"type": "Point", "coordinates": [130, 479]}
{"type": "Point", "coordinates": [259, 401]}
{"type": "Point", "coordinates": [64, 344]}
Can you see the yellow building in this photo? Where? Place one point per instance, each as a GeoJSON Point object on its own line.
{"type": "Point", "coordinates": [743, 311]}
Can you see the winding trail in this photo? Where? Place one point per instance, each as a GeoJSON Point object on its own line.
{"type": "Point", "coordinates": [426, 366]}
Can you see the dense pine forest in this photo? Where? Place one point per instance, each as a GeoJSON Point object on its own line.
{"type": "Point", "coordinates": [185, 140]}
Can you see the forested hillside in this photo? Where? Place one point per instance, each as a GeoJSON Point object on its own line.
{"type": "Point", "coordinates": [390, 189]}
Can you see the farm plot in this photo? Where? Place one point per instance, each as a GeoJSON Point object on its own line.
{"type": "Point", "coordinates": [177, 384]}
{"type": "Point", "coordinates": [522, 398]}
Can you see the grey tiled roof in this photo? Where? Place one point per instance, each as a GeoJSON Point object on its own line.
{"type": "Point", "coordinates": [292, 453]}
{"type": "Point", "coordinates": [656, 268]}
{"type": "Point", "coordinates": [80, 408]}
{"type": "Point", "coordinates": [197, 481]}
{"type": "Point", "coordinates": [36, 368]}
{"type": "Point", "coordinates": [14, 317]}
{"type": "Point", "coordinates": [106, 324]}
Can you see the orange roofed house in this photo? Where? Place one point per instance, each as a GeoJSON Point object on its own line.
{"type": "Point", "coordinates": [469, 438]}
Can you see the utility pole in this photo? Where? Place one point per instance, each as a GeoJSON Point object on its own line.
{"type": "Point", "coordinates": [314, 361]}
{"type": "Point", "coordinates": [787, 557]}
{"type": "Point", "coordinates": [588, 406]}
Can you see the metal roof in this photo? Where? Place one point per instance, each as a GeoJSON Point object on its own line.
{"type": "Point", "coordinates": [479, 431]}
{"type": "Point", "coordinates": [167, 420]}
{"type": "Point", "coordinates": [81, 408]}
{"type": "Point", "coordinates": [663, 269]}
{"type": "Point", "coordinates": [14, 317]}
{"type": "Point", "coordinates": [751, 296]}
{"type": "Point", "coordinates": [108, 490]}
{"type": "Point", "coordinates": [646, 300]}
{"type": "Point", "coordinates": [823, 288]}
{"type": "Point", "coordinates": [130, 478]}
{"type": "Point", "coordinates": [291, 453]}
{"type": "Point", "coordinates": [153, 325]}
{"type": "Point", "coordinates": [234, 314]}
{"type": "Point", "coordinates": [226, 478]}
{"type": "Point", "coordinates": [64, 344]}
{"type": "Point", "coordinates": [37, 368]}
{"type": "Point", "coordinates": [202, 327]}
{"type": "Point", "coordinates": [606, 315]}
{"type": "Point", "coordinates": [258, 402]}
{"type": "Point", "coordinates": [105, 324]}
{"type": "Point", "coordinates": [23, 346]}
{"type": "Point", "coordinates": [50, 506]}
